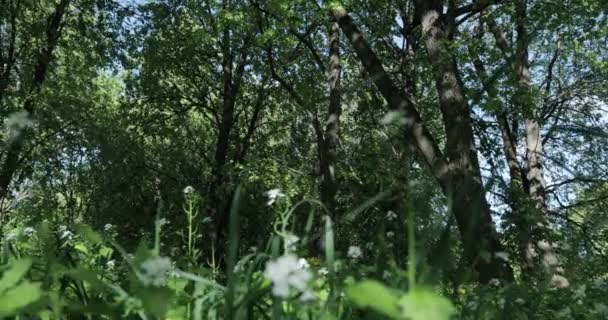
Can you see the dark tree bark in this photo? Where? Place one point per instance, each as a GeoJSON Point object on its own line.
{"type": "Point", "coordinates": [330, 140]}
{"type": "Point", "coordinates": [458, 174]}
{"type": "Point", "coordinates": [219, 188]}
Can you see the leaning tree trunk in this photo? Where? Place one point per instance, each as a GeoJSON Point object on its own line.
{"type": "Point", "coordinates": [459, 177]}
{"type": "Point", "coordinates": [466, 188]}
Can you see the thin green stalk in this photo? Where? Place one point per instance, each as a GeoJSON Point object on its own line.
{"type": "Point", "coordinates": [233, 236]}
{"type": "Point", "coordinates": [411, 250]}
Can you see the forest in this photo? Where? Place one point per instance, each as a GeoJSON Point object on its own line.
{"type": "Point", "coordinates": [303, 159]}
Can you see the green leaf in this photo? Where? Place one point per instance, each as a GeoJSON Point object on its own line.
{"type": "Point", "coordinates": [349, 217]}
{"type": "Point", "coordinates": [14, 274]}
{"type": "Point", "coordinates": [87, 275]}
{"type": "Point", "coordinates": [156, 301]}
{"type": "Point", "coordinates": [19, 297]}
{"type": "Point", "coordinates": [88, 233]}
{"type": "Point", "coordinates": [374, 295]}
{"type": "Point", "coordinates": [81, 247]}
{"type": "Point", "coordinates": [424, 304]}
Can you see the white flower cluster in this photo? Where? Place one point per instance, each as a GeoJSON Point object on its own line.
{"type": "Point", "coordinates": [29, 232]}
{"type": "Point", "coordinates": [188, 190]}
{"type": "Point", "coordinates": [273, 195]}
{"type": "Point", "coordinates": [108, 227]}
{"type": "Point", "coordinates": [65, 234]}
{"type": "Point", "coordinates": [354, 252]}
{"type": "Point", "coordinates": [288, 272]}
{"type": "Point", "coordinates": [291, 242]}
{"type": "Point", "coordinates": [154, 271]}
{"type": "Point", "coordinates": [323, 272]}
{"type": "Point", "coordinates": [391, 215]}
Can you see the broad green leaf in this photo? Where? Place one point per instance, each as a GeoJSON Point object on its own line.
{"type": "Point", "coordinates": [81, 247]}
{"type": "Point", "coordinates": [424, 304]}
{"type": "Point", "coordinates": [88, 233]}
{"type": "Point", "coordinates": [19, 297]}
{"type": "Point", "coordinates": [86, 275]}
{"type": "Point", "coordinates": [156, 301]}
{"type": "Point", "coordinates": [14, 274]}
{"type": "Point", "coordinates": [374, 295]}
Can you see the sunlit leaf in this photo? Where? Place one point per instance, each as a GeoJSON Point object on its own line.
{"type": "Point", "coordinates": [424, 304]}
{"type": "Point", "coordinates": [374, 295]}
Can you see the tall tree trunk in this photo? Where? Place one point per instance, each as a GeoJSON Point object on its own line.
{"type": "Point", "coordinates": [330, 141]}
{"type": "Point", "coordinates": [14, 150]}
{"type": "Point", "coordinates": [527, 187]}
{"type": "Point", "coordinates": [539, 250]}
{"type": "Point", "coordinates": [219, 189]}
{"type": "Point", "coordinates": [468, 195]}
{"type": "Point", "coordinates": [458, 175]}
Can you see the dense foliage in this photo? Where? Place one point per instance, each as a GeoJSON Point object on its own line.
{"type": "Point", "coordinates": [297, 159]}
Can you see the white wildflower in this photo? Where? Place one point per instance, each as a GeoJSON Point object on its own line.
{"type": "Point", "coordinates": [354, 252]}
{"type": "Point", "coordinates": [273, 195]}
{"type": "Point", "coordinates": [390, 234]}
{"type": "Point", "coordinates": [291, 240]}
{"type": "Point", "coordinates": [303, 263]}
{"type": "Point", "coordinates": [207, 220]}
{"type": "Point", "coordinates": [29, 232]}
{"type": "Point", "coordinates": [520, 301]}
{"type": "Point", "coordinates": [66, 235]}
{"type": "Point", "coordinates": [188, 190]}
{"type": "Point", "coordinates": [494, 282]}
{"type": "Point", "coordinates": [391, 215]}
{"type": "Point", "coordinates": [162, 222]}
{"type": "Point", "coordinates": [111, 264]}
{"type": "Point", "coordinates": [323, 272]}
{"type": "Point", "coordinates": [285, 273]}
{"type": "Point", "coordinates": [108, 227]}
{"type": "Point", "coordinates": [154, 271]}
{"type": "Point", "coordinates": [253, 249]}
